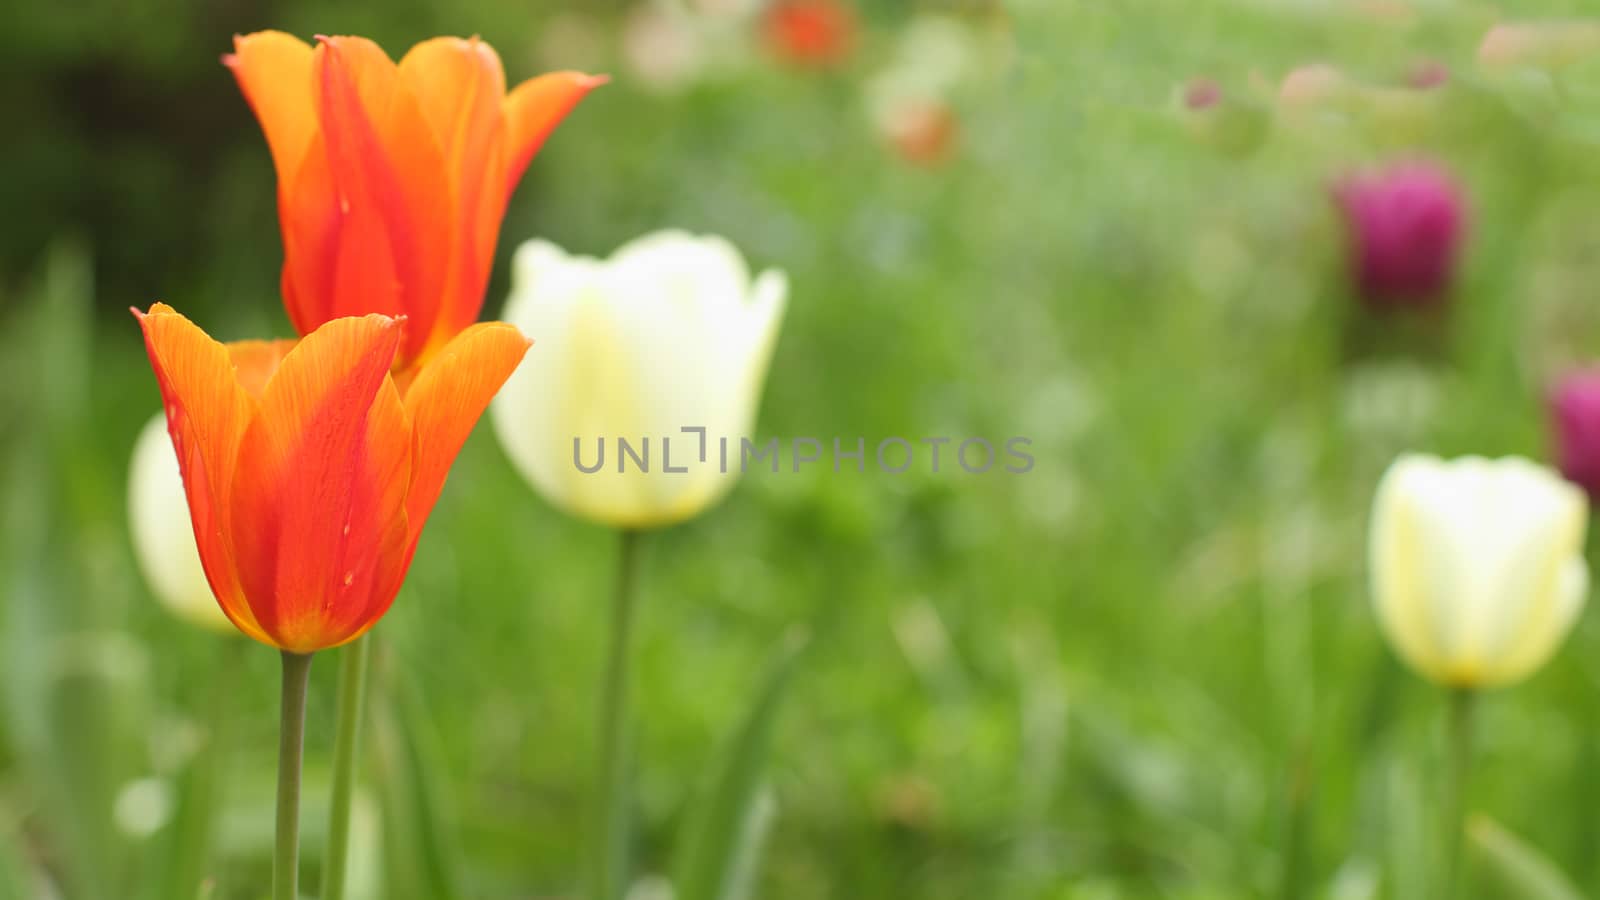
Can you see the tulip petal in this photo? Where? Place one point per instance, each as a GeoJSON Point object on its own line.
{"type": "Point", "coordinates": [1542, 579]}
{"type": "Point", "coordinates": [319, 500]}
{"type": "Point", "coordinates": [446, 400]}
{"type": "Point", "coordinates": [460, 85]}
{"type": "Point", "coordinates": [1539, 641]}
{"type": "Point", "coordinates": [254, 362]}
{"type": "Point", "coordinates": [310, 218]}
{"type": "Point", "coordinates": [163, 532]}
{"type": "Point", "coordinates": [533, 110]}
{"type": "Point", "coordinates": [274, 72]}
{"type": "Point", "coordinates": [389, 189]}
{"type": "Point", "coordinates": [1398, 593]}
{"type": "Point", "coordinates": [208, 414]}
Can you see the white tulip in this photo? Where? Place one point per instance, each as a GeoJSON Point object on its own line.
{"type": "Point", "coordinates": [1477, 566]}
{"type": "Point", "coordinates": [669, 333]}
{"type": "Point", "coordinates": [163, 538]}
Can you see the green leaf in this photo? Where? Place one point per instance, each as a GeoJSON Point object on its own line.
{"type": "Point", "coordinates": [1521, 869]}
{"type": "Point", "coordinates": [419, 851]}
{"type": "Point", "coordinates": [727, 828]}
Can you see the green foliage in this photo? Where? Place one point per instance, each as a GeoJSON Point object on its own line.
{"type": "Point", "coordinates": [731, 818]}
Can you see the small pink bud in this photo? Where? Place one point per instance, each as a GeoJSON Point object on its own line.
{"type": "Point", "coordinates": [1575, 414]}
{"type": "Point", "coordinates": [1429, 74]}
{"type": "Point", "coordinates": [1404, 228]}
{"type": "Point", "coordinates": [1202, 93]}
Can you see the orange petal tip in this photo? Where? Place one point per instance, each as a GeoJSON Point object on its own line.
{"type": "Point", "coordinates": [156, 309]}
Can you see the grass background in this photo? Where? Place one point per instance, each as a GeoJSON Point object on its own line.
{"type": "Point", "coordinates": [1147, 668]}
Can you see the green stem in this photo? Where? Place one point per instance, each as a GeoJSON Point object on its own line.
{"type": "Point", "coordinates": [291, 747]}
{"type": "Point", "coordinates": [1458, 773]}
{"type": "Point", "coordinates": [609, 818]}
{"type": "Point", "coordinates": [352, 691]}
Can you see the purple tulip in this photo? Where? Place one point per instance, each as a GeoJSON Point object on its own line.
{"type": "Point", "coordinates": [1404, 228]}
{"type": "Point", "coordinates": [1575, 411]}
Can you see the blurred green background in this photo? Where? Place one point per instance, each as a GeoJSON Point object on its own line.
{"type": "Point", "coordinates": [1147, 668]}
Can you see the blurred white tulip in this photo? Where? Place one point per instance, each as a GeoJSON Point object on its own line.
{"type": "Point", "coordinates": [1477, 566]}
{"type": "Point", "coordinates": [670, 333]}
{"type": "Point", "coordinates": [163, 538]}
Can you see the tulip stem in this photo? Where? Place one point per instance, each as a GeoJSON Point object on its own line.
{"type": "Point", "coordinates": [352, 692]}
{"type": "Point", "coordinates": [608, 849]}
{"type": "Point", "coordinates": [291, 746]}
{"type": "Point", "coordinates": [1459, 772]}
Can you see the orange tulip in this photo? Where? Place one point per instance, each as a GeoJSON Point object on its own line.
{"type": "Point", "coordinates": [393, 179]}
{"type": "Point", "coordinates": [309, 475]}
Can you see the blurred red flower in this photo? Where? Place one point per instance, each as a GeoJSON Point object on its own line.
{"type": "Point", "coordinates": [923, 133]}
{"type": "Point", "coordinates": [814, 33]}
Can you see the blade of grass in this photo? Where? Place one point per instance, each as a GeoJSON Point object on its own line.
{"type": "Point", "coordinates": [1517, 865]}
{"type": "Point", "coordinates": [416, 840]}
{"type": "Point", "coordinates": [727, 828]}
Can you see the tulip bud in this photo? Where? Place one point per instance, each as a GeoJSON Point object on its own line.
{"type": "Point", "coordinates": [1404, 229]}
{"type": "Point", "coordinates": [163, 538]}
{"type": "Point", "coordinates": [1231, 123]}
{"type": "Point", "coordinates": [664, 346]}
{"type": "Point", "coordinates": [1575, 411]}
{"type": "Point", "coordinates": [1477, 566]}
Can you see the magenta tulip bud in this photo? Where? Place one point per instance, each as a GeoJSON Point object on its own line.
{"type": "Point", "coordinates": [1575, 409]}
{"type": "Point", "coordinates": [1404, 228]}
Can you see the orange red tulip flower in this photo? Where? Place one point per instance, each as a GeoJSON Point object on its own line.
{"type": "Point", "coordinates": [393, 178]}
{"type": "Point", "coordinates": [309, 473]}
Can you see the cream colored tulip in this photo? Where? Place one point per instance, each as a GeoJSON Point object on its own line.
{"type": "Point", "coordinates": [1477, 566]}
{"type": "Point", "coordinates": [163, 538]}
{"type": "Point", "coordinates": [669, 334]}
